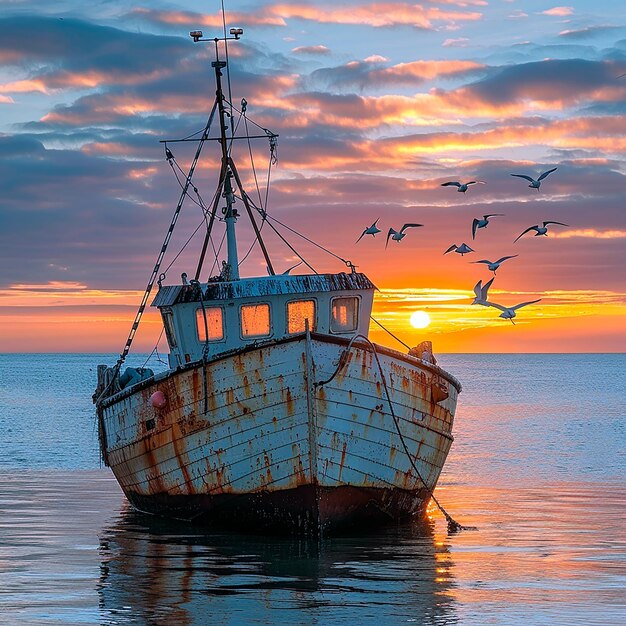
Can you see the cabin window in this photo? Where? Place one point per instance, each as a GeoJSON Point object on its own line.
{"type": "Point", "coordinates": [255, 320]}
{"type": "Point", "coordinates": [298, 312]}
{"type": "Point", "coordinates": [214, 324]}
{"type": "Point", "coordinates": [344, 315]}
{"type": "Point", "coordinates": [168, 324]}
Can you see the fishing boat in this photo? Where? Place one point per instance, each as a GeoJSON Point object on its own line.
{"type": "Point", "coordinates": [276, 412]}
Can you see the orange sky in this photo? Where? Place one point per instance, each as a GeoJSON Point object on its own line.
{"type": "Point", "coordinates": [71, 318]}
{"type": "Point", "coordinates": [376, 106]}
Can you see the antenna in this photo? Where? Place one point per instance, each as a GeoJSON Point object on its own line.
{"type": "Point", "coordinates": [197, 36]}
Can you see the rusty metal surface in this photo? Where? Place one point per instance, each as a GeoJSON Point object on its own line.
{"type": "Point", "coordinates": [257, 434]}
{"type": "Point", "coordinates": [264, 286]}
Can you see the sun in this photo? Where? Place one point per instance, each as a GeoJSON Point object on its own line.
{"type": "Point", "coordinates": [420, 319]}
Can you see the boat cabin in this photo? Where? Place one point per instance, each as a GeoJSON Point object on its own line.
{"type": "Point", "coordinates": [220, 316]}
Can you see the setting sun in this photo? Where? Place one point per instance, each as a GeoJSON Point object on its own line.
{"type": "Point", "coordinates": [420, 319]}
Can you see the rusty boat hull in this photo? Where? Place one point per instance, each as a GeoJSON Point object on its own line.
{"type": "Point", "coordinates": [306, 434]}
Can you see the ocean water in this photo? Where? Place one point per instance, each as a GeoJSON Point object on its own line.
{"type": "Point", "coordinates": [538, 466]}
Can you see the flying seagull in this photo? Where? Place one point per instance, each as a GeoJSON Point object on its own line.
{"type": "Point", "coordinates": [508, 313]}
{"type": "Point", "coordinates": [535, 184]}
{"type": "Point", "coordinates": [476, 224]}
{"type": "Point", "coordinates": [370, 230]}
{"type": "Point", "coordinates": [494, 265]}
{"type": "Point", "coordinates": [541, 230]}
{"type": "Point", "coordinates": [397, 235]}
{"type": "Point", "coordinates": [481, 292]}
{"type": "Point", "coordinates": [462, 249]}
{"type": "Point", "coordinates": [462, 187]}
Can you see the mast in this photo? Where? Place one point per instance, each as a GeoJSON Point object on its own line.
{"type": "Point", "coordinates": [230, 268]}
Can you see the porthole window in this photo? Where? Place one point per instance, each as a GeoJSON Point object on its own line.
{"type": "Point", "coordinates": [298, 312]}
{"type": "Point", "coordinates": [344, 315]}
{"type": "Point", "coordinates": [214, 323]}
{"type": "Point", "coordinates": [255, 320]}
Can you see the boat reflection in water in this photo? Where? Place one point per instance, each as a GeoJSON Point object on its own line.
{"type": "Point", "coordinates": [156, 571]}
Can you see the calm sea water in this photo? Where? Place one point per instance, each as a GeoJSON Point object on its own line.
{"type": "Point", "coordinates": [538, 466]}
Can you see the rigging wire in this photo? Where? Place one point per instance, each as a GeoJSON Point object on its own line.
{"type": "Point", "coordinates": [181, 185]}
{"type": "Point", "coordinates": [256, 181]}
{"type": "Point", "coordinates": [217, 254]}
{"type": "Point", "coordinates": [388, 331]}
{"type": "Point", "coordinates": [295, 232]}
{"type": "Point", "coordinates": [227, 66]}
{"type": "Point", "coordinates": [155, 349]}
{"type": "Point", "coordinates": [264, 215]}
{"type": "Point", "coordinates": [193, 234]}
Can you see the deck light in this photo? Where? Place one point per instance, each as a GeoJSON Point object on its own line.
{"type": "Point", "coordinates": [236, 32]}
{"type": "Point", "coordinates": [196, 35]}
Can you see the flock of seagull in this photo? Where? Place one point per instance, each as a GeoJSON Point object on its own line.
{"type": "Point", "coordinates": [481, 291]}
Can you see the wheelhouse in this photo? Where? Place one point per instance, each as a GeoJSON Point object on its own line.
{"type": "Point", "coordinates": [208, 319]}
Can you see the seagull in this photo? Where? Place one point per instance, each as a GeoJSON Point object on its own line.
{"type": "Point", "coordinates": [462, 249]}
{"type": "Point", "coordinates": [397, 235]}
{"type": "Point", "coordinates": [462, 187]}
{"type": "Point", "coordinates": [183, 277]}
{"type": "Point", "coordinates": [535, 184]}
{"type": "Point", "coordinates": [482, 223]}
{"type": "Point", "coordinates": [494, 265]}
{"type": "Point", "coordinates": [370, 230]}
{"type": "Point", "coordinates": [508, 313]}
{"type": "Point", "coordinates": [480, 292]}
{"type": "Point", "coordinates": [541, 230]}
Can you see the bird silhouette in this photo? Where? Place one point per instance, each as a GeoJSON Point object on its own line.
{"type": "Point", "coordinates": [476, 224]}
{"type": "Point", "coordinates": [370, 230]}
{"type": "Point", "coordinates": [509, 312]}
{"type": "Point", "coordinates": [462, 249]}
{"type": "Point", "coordinates": [397, 235]}
{"type": "Point", "coordinates": [494, 265]}
{"type": "Point", "coordinates": [535, 183]}
{"type": "Point", "coordinates": [462, 187]}
{"type": "Point", "coordinates": [541, 230]}
{"type": "Point", "coordinates": [481, 292]}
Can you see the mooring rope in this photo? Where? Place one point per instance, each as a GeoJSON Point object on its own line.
{"type": "Point", "coordinates": [453, 525]}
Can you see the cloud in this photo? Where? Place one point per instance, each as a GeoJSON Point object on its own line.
{"type": "Point", "coordinates": [558, 11]}
{"type": "Point", "coordinates": [75, 54]}
{"type": "Point", "coordinates": [311, 50]}
{"type": "Point", "coordinates": [459, 42]}
{"type": "Point", "coordinates": [377, 15]}
{"type": "Point", "coordinates": [591, 233]}
{"type": "Point", "coordinates": [259, 17]}
{"type": "Point", "coordinates": [588, 32]}
{"type": "Point", "coordinates": [370, 73]}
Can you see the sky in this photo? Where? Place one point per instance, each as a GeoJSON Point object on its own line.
{"type": "Point", "coordinates": [376, 104]}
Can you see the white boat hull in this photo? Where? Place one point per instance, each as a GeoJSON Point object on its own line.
{"type": "Point", "coordinates": [268, 447]}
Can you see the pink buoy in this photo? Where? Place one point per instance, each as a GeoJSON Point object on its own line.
{"type": "Point", "coordinates": [158, 400]}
